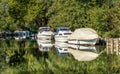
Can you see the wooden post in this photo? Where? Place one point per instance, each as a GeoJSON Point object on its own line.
{"type": "Point", "coordinates": [118, 45]}
{"type": "Point", "coordinates": [107, 45]}
{"type": "Point", "coordinates": [113, 45]}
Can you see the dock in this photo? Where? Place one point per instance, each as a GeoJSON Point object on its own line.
{"type": "Point", "coordinates": [113, 45]}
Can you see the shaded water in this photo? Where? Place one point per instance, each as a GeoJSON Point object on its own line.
{"type": "Point", "coordinates": [38, 57]}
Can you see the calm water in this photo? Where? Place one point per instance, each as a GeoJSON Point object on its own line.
{"type": "Point", "coordinates": [39, 57]}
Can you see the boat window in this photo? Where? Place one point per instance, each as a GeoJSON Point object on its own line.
{"type": "Point", "coordinates": [16, 34]}
{"type": "Point", "coordinates": [60, 34]}
{"type": "Point", "coordinates": [60, 48]}
{"type": "Point", "coordinates": [67, 33]}
{"type": "Point", "coordinates": [24, 34]}
{"type": "Point", "coordinates": [46, 29]}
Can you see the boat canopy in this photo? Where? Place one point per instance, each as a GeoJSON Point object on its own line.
{"type": "Point", "coordinates": [83, 34]}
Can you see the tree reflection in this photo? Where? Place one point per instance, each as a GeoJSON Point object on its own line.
{"type": "Point", "coordinates": [25, 57]}
{"type": "Point", "coordinates": [17, 58]}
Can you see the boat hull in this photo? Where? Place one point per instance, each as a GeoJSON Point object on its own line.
{"type": "Point", "coordinates": [82, 47]}
{"type": "Point", "coordinates": [60, 38]}
{"type": "Point", "coordinates": [83, 42]}
{"type": "Point", "coordinates": [44, 37]}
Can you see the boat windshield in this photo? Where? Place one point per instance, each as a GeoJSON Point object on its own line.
{"type": "Point", "coordinates": [65, 29]}
{"type": "Point", "coordinates": [45, 29]}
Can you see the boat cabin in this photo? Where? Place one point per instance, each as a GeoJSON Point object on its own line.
{"type": "Point", "coordinates": [41, 29]}
{"type": "Point", "coordinates": [63, 29]}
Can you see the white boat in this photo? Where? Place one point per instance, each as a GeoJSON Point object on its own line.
{"type": "Point", "coordinates": [18, 35]}
{"type": "Point", "coordinates": [44, 46]}
{"type": "Point", "coordinates": [25, 34]}
{"type": "Point", "coordinates": [21, 35]}
{"type": "Point", "coordinates": [62, 33]}
{"type": "Point", "coordinates": [61, 48]}
{"type": "Point", "coordinates": [45, 33]}
{"type": "Point", "coordinates": [85, 36]}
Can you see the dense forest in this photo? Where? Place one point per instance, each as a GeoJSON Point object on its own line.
{"type": "Point", "coordinates": [101, 15]}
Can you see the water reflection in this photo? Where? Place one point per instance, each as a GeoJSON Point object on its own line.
{"type": "Point", "coordinates": [83, 55]}
{"type": "Point", "coordinates": [61, 48]}
{"type": "Point", "coordinates": [80, 53]}
{"type": "Point", "coordinates": [44, 46]}
{"type": "Point", "coordinates": [113, 50]}
{"type": "Point", "coordinates": [84, 48]}
{"type": "Point", "coordinates": [31, 57]}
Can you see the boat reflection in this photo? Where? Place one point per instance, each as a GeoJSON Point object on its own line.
{"type": "Point", "coordinates": [83, 48]}
{"type": "Point", "coordinates": [44, 46]}
{"type": "Point", "coordinates": [111, 50]}
{"type": "Point", "coordinates": [61, 48]}
{"type": "Point", "coordinates": [83, 53]}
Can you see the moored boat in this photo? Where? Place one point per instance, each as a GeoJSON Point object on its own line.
{"type": "Point", "coordinates": [44, 33]}
{"type": "Point", "coordinates": [21, 35]}
{"type": "Point", "coordinates": [85, 36]}
{"type": "Point", "coordinates": [18, 35]}
{"type": "Point", "coordinates": [25, 34]}
{"type": "Point", "coordinates": [62, 33]}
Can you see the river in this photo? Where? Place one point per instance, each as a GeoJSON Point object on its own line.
{"type": "Point", "coordinates": [32, 56]}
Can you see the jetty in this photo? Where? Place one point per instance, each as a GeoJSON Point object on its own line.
{"type": "Point", "coordinates": [113, 45]}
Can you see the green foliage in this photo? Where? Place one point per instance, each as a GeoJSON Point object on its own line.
{"type": "Point", "coordinates": [29, 60]}
{"type": "Point", "coordinates": [65, 13]}
{"type": "Point", "coordinates": [101, 15]}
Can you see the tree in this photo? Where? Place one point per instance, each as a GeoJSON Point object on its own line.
{"type": "Point", "coordinates": [64, 13]}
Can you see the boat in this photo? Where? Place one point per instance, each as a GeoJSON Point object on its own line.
{"type": "Point", "coordinates": [61, 48]}
{"type": "Point", "coordinates": [85, 36]}
{"type": "Point", "coordinates": [62, 33]}
{"type": "Point", "coordinates": [3, 35]}
{"type": "Point", "coordinates": [9, 35]}
{"type": "Point", "coordinates": [33, 33]}
{"type": "Point", "coordinates": [44, 33]}
{"type": "Point", "coordinates": [44, 46]}
{"type": "Point", "coordinates": [6, 35]}
{"type": "Point", "coordinates": [21, 35]}
{"type": "Point", "coordinates": [25, 34]}
{"type": "Point", "coordinates": [18, 35]}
